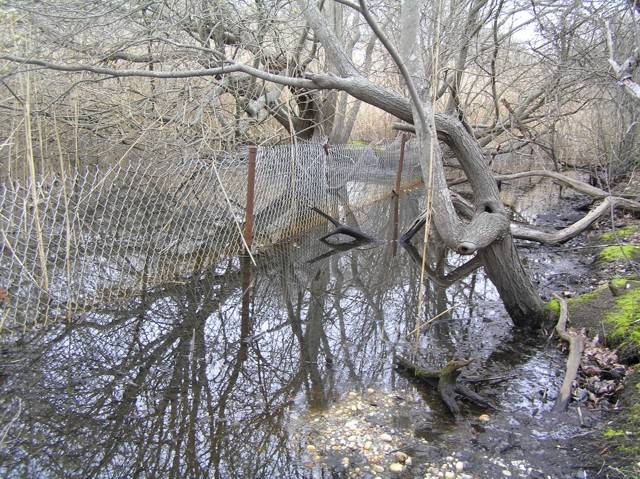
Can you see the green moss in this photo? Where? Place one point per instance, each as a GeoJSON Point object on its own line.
{"type": "Point", "coordinates": [553, 307]}
{"type": "Point", "coordinates": [620, 283]}
{"type": "Point", "coordinates": [624, 232]}
{"type": "Point", "coordinates": [587, 297]}
{"type": "Point", "coordinates": [610, 432]}
{"type": "Point", "coordinates": [624, 436]}
{"type": "Point", "coordinates": [625, 319]}
{"type": "Point", "coordinates": [619, 253]}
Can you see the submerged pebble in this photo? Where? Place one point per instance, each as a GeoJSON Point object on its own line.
{"type": "Point", "coordinates": [401, 456]}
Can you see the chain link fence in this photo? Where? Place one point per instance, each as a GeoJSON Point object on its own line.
{"type": "Point", "coordinates": [78, 240]}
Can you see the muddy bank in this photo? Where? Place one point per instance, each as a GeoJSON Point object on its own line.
{"type": "Point", "coordinates": [605, 306]}
{"type": "Point", "coordinates": [598, 274]}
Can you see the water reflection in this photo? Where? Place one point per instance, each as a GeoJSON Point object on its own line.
{"type": "Point", "coordinates": [200, 378]}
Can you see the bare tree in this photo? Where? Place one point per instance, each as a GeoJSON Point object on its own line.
{"type": "Point", "coordinates": [193, 76]}
{"type": "Point", "coordinates": [488, 233]}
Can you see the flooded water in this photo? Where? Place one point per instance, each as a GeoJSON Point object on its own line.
{"type": "Point", "coordinates": [285, 368]}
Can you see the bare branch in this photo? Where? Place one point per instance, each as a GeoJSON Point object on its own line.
{"type": "Point", "coordinates": [625, 71]}
{"type": "Point", "coordinates": [208, 72]}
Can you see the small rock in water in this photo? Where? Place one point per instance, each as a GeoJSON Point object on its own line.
{"type": "Point", "coordinates": [396, 467]}
{"type": "Point", "coordinates": [401, 456]}
{"type": "Point", "coordinates": [386, 437]}
{"type": "Point", "coordinates": [351, 425]}
{"type": "Point", "coordinates": [449, 475]}
{"type": "Point", "coordinates": [484, 418]}
{"type": "Point", "coordinates": [506, 473]}
{"type": "Point", "coordinates": [459, 466]}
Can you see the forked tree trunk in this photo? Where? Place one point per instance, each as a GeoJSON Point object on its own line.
{"type": "Point", "coordinates": [489, 232]}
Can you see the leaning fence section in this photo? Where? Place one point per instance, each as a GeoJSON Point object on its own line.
{"type": "Point", "coordinates": [77, 240]}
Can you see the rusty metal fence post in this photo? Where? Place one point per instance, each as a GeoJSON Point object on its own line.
{"type": "Point", "coordinates": [251, 185]}
{"type": "Point", "coordinates": [400, 162]}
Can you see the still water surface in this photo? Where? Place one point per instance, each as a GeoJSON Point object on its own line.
{"type": "Point", "coordinates": [222, 374]}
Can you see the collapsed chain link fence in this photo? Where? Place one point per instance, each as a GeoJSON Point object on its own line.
{"type": "Point", "coordinates": [79, 240]}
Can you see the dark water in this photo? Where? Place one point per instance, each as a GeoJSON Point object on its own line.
{"type": "Point", "coordinates": [222, 375]}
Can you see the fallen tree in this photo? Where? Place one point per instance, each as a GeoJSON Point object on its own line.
{"type": "Point", "coordinates": [340, 228]}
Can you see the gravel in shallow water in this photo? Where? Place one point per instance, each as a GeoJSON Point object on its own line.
{"type": "Point", "coordinates": [358, 436]}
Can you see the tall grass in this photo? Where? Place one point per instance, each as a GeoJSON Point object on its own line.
{"type": "Point", "coordinates": [33, 180]}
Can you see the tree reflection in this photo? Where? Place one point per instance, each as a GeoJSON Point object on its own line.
{"type": "Point", "coordinates": [199, 379]}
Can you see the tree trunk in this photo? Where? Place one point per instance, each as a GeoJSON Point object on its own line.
{"type": "Point", "coordinates": [505, 270]}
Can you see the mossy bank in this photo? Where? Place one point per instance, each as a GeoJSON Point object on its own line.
{"type": "Point", "coordinates": [611, 312]}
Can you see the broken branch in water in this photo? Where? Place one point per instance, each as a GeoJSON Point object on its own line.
{"type": "Point", "coordinates": [431, 320]}
{"type": "Point", "coordinates": [576, 346]}
{"type": "Point", "coordinates": [448, 385]}
{"type": "Point", "coordinates": [344, 229]}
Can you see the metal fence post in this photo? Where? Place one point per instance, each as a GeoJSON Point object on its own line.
{"type": "Point", "coordinates": [401, 162]}
{"type": "Point", "coordinates": [245, 309]}
{"type": "Point", "coordinates": [251, 184]}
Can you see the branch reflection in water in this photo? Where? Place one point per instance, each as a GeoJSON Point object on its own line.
{"type": "Point", "coordinates": [200, 378]}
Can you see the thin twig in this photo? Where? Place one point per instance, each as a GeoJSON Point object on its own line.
{"type": "Point", "coordinates": [431, 320]}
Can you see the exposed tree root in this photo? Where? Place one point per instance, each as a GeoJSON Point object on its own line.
{"type": "Point", "coordinates": [576, 346]}
{"type": "Point", "coordinates": [448, 385]}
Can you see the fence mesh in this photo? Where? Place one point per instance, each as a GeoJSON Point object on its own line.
{"type": "Point", "coordinates": [82, 239]}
